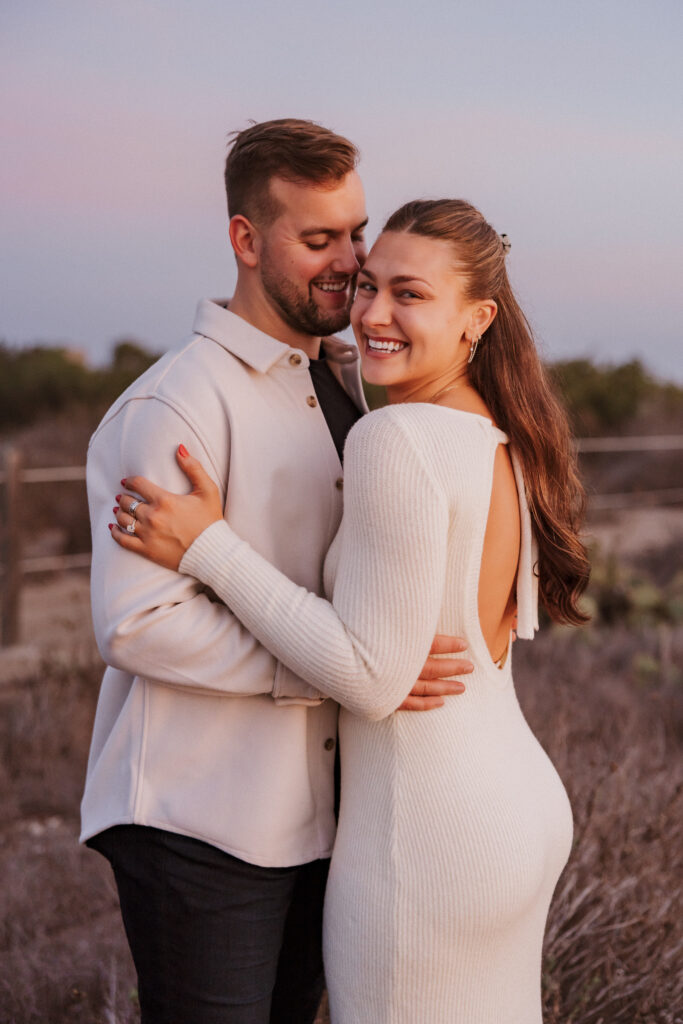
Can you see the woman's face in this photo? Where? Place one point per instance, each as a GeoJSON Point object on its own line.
{"type": "Point", "coordinates": [411, 321]}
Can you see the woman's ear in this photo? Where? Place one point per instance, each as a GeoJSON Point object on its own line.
{"type": "Point", "coordinates": [245, 239]}
{"type": "Point", "coordinates": [482, 317]}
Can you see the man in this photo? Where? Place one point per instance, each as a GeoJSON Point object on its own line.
{"type": "Point", "coordinates": [210, 779]}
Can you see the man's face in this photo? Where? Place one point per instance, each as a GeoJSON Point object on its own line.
{"type": "Point", "coordinates": [310, 255]}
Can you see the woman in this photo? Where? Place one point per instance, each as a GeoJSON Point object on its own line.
{"type": "Point", "coordinates": [461, 501]}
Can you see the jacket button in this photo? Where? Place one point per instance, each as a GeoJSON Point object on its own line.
{"type": "Point", "coordinates": [295, 359]}
{"type": "Point", "coordinates": [329, 743]}
{"type": "Point", "coordinates": [312, 401]}
{"type": "Point", "coordinates": [339, 483]}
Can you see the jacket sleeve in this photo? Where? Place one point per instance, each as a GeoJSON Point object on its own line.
{"type": "Point", "coordinates": [367, 647]}
{"type": "Point", "coordinates": [150, 621]}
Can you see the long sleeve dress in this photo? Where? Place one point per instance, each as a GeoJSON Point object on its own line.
{"type": "Point", "coordinates": [454, 825]}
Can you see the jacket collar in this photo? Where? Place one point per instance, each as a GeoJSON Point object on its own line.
{"type": "Point", "coordinates": [338, 351]}
{"type": "Point", "coordinates": [213, 320]}
{"type": "Point", "coordinates": [258, 350]}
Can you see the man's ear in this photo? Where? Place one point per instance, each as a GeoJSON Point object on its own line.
{"type": "Point", "coordinates": [245, 240]}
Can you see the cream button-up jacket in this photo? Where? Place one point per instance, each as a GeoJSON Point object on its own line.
{"type": "Point", "coordinates": [199, 729]}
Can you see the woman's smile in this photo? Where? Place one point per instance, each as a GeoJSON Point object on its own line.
{"type": "Point", "coordinates": [377, 346]}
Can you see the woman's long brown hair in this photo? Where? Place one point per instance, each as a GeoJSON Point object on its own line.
{"type": "Point", "coordinates": [509, 376]}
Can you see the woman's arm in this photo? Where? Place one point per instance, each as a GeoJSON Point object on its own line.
{"type": "Point", "coordinates": [365, 649]}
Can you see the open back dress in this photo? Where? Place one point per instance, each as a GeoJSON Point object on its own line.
{"type": "Point", "coordinates": [454, 825]}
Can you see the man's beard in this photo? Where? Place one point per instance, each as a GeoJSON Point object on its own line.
{"type": "Point", "coordinates": [298, 311]}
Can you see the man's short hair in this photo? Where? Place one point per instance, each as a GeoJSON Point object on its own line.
{"type": "Point", "coordinates": [299, 151]}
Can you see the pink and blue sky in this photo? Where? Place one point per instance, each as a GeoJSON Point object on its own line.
{"type": "Point", "coordinates": [560, 120]}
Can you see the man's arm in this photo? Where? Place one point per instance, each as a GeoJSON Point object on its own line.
{"type": "Point", "coordinates": [148, 620]}
{"type": "Point", "coordinates": [435, 683]}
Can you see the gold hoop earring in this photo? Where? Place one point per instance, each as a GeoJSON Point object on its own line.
{"type": "Point", "coordinates": [473, 348]}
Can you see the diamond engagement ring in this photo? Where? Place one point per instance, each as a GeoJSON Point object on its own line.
{"type": "Point", "coordinates": [131, 527]}
{"type": "Point", "coordinates": [133, 505]}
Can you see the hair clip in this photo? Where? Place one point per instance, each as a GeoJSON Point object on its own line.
{"type": "Point", "coordinates": [507, 244]}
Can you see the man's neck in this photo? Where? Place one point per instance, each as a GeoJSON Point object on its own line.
{"type": "Point", "coordinates": [262, 316]}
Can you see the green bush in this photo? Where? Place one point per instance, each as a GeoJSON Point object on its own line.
{"type": "Point", "coordinates": [622, 594]}
{"type": "Point", "coordinates": [40, 381]}
{"type": "Point", "coordinates": [601, 399]}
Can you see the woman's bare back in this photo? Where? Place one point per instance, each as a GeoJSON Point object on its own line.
{"type": "Point", "coordinates": [496, 596]}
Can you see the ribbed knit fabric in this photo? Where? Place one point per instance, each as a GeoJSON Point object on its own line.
{"type": "Point", "coordinates": [454, 825]}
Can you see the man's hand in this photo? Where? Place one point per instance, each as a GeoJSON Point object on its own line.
{"type": "Point", "coordinates": [432, 686]}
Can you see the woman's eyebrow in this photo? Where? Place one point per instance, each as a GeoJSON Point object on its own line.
{"type": "Point", "coordinates": [397, 279]}
{"type": "Point", "coordinates": [405, 278]}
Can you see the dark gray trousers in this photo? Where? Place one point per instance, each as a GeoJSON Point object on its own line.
{"type": "Point", "coordinates": [216, 940]}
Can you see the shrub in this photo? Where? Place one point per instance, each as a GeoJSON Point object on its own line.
{"type": "Point", "coordinates": [602, 399]}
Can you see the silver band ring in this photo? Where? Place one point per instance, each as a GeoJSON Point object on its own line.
{"type": "Point", "coordinates": [133, 505]}
{"type": "Point", "coordinates": [131, 526]}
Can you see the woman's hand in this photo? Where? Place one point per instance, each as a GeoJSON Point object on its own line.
{"type": "Point", "coordinates": [163, 525]}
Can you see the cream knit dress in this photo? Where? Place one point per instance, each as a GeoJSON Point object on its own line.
{"type": "Point", "coordinates": [454, 825]}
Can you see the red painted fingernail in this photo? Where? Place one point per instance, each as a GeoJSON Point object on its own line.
{"type": "Point", "coordinates": [115, 509]}
{"type": "Point", "coordinates": [123, 482]}
{"type": "Point", "coordinates": [118, 497]}
{"type": "Point", "coordinates": [110, 525]}
{"type": "Point", "coordinates": [182, 451]}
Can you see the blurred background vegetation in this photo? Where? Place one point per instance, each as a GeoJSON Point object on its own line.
{"type": "Point", "coordinates": [606, 399]}
{"type": "Point", "coordinates": [38, 381]}
{"type": "Point", "coordinates": [51, 401]}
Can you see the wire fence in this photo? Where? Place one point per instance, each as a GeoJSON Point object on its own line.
{"type": "Point", "coordinates": [14, 476]}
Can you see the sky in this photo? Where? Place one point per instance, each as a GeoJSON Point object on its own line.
{"type": "Point", "coordinates": [562, 121]}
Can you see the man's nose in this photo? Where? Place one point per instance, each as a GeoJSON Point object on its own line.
{"type": "Point", "coordinates": [346, 259]}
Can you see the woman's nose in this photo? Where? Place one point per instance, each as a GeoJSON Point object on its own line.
{"type": "Point", "coordinates": [378, 312]}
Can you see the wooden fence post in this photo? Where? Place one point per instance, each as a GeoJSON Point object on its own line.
{"type": "Point", "coordinates": [10, 548]}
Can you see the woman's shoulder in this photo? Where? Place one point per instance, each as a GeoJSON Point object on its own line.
{"type": "Point", "coordinates": [392, 426]}
{"type": "Point", "coordinates": [383, 452]}
{"type": "Point", "coordinates": [418, 445]}
{"type": "Point", "coordinates": [425, 425]}
{"type": "Point", "coordinates": [376, 431]}
{"type": "Point", "coordinates": [373, 424]}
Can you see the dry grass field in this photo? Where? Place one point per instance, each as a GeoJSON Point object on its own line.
{"type": "Point", "coordinates": [615, 937]}
{"type": "Point", "coordinates": [607, 704]}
